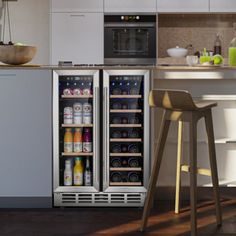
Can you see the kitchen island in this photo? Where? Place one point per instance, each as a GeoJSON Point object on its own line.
{"type": "Point", "coordinates": [26, 102]}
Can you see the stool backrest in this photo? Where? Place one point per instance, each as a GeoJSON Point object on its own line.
{"type": "Point", "coordinates": [171, 99]}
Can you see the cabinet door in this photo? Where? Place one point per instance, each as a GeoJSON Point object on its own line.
{"type": "Point", "coordinates": [130, 6]}
{"type": "Point", "coordinates": [182, 5]}
{"type": "Point", "coordinates": [77, 5]}
{"type": "Point", "coordinates": [77, 37]}
{"type": "Point", "coordinates": [26, 133]}
{"type": "Point", "coordinates": [223, 6]}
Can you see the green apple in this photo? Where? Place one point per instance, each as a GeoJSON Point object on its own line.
{"type": "Point", "coordinates": [218, 59]}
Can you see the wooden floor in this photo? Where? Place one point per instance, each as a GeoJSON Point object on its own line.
{"type": "Point", "coordinates": [115, 221]}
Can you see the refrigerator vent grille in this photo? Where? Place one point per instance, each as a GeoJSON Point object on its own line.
{"type": "Point", "coordinates": [99, 199]}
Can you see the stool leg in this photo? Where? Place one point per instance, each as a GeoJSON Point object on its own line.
{"type": "Point", "coordinates": [165, 124]}
{"type": "Point", "coordinates": [178, 166]}
{"type": "Point", "coordinates": [213, 164]}
{"type": "Point", "coordinates": [193, 173]}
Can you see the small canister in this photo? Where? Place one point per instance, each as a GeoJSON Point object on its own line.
{"type": "Point", "coordinates": [68, 115]}
{"type": "Point", "coordinates": [77, 108]}
{"type": "Point", "coordinates": [87, 113]}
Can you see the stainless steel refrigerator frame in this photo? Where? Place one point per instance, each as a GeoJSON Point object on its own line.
{"type": "Point", "coordinates": [96, 149]}
{"type": "Point", "coordinates": [146, 137]}
{"type": "Point", "coordinates": [100, 194]}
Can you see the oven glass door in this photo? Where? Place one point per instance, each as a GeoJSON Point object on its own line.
{"type": "Point", "coordinates": [131, 41]}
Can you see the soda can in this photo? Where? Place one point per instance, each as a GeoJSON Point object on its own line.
{"type": "Point", "coordinates": [68, 115]}
{"type": "Point", "coordinates": [77, 108]}
{"type": "Point", "coordinates": [67, 91]}
{"type": "Point", "coordinates": [87, 91]}
{"type": "Point", "coordinates": [77, 91]}
{"type": "Point", "coordinates": [87, 113]}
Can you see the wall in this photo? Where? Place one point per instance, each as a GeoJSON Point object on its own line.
{"type": "Point", "coordinates": [198, 29]}
{"type": "Point", "coordinates": [30, 25]}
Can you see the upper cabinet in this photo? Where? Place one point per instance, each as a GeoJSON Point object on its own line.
{"type": "Point", "coordinates": [77, 37]}
{"type": "Point", "coordinates": [184, 5]}
{"type": "Point", "coordinates": [77, 5]}
{"type": "Point", "coordinates": [134, 6]}
{"type": "Point", "coordinates": [223, 6]}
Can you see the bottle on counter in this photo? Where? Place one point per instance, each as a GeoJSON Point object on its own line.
{"type": "Point", "coordinates": [78, 141]}
{"type": "Point", "coordinates": [78, 172]}
{"type": "Point", "coordinates": [87, 174]}
{"type": "Point", "coordinates": [232, 49]}
{"type": "Point", "coordinates": [68, 173]}
{"type": "Point", "coordinates": [217, 45]}
{"type": "Point", "coordinates": [68, 141]}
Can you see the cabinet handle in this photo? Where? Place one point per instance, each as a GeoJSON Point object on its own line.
{"type": "Point", "coordinates": [4, 76]}
{"type": "Point", "coordinates": [96, 133]}
{"type": "Point", "coordinates": [105, 132]}
{"type": "Point", "coordinates": [77, 15]}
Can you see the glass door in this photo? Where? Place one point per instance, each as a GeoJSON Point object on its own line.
{"type": "Point", "coordinates": [76, 131]}
{"type": "Point", "coordinates": [126, 129]}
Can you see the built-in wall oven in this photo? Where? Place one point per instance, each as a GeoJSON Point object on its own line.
{"type": "Point", "coordinates": [130, 39]}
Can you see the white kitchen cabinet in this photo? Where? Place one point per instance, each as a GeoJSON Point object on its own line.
{"type": "Point", "coordinates": [76, 5]}
{"type": "Point", "coordinates": [26, 138]}
{"type": "Point", "coordinates": [129, 6]}
{"type": "Point", "coordinates": [223, 6]}
{"type": "Point", "coordinates": [77, 37]}
{"type": "Point", "coordinates": [183, 5]}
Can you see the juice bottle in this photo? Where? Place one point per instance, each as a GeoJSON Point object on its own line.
{"type": "Point", "coordinates": [67, 173]}
{"type": "Point", "coordinates": [78, 172]}
{"type": "Point", "coordinates": [78, 144]}
{"type": "Point", "coordinates": [87, 140]}
{"type": "Point", "coordinates": [68, 141]}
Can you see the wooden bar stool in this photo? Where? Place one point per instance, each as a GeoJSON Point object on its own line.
{"type": "Point", "coordinates": [179, 106]}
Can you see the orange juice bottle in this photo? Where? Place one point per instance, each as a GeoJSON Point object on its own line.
{"type": "Point", "coordinates": [68, 141]}
{"type": "Point", "coordinates": [78, 172]}
{"type": "Point", "coordinates": [78, 143]}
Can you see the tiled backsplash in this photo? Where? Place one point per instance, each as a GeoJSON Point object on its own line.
{"type": "Point", "coordinates": [199, 30]}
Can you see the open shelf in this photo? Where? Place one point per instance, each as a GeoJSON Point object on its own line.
{"type": "Point", "coordinates": [76, 125]}
{"type": "Point", "coordinates": [125, 140]}
{"type": "Point", "coordinates": [126, 111]}
{"type": "Point", "coordinates": [76, 96]}
{"type": "Point", "coordinates": [125, 154]}
{"type": "Point", "coordinates": [125, 125]}
{"type": "Point", "coordinates": [77, 154]}
{"type": "Point", "coordinates": [126, 169]}
{"type": "Point", "coordinates": [125, 183]}
{"type": "Point", "coordinates": [126, 96]}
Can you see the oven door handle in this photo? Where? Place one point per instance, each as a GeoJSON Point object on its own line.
{"type": "Point", "coordinates": [125, 25]}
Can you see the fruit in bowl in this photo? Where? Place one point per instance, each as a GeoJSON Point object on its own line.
{"type": "Point", "coordinates": [17, 54]}
{"type": "Point", "coordinates": [177, 52]}
{"type": "Point", "coordinates": [218, 59]}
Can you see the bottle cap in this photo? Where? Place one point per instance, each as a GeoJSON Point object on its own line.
{"type": "Point", "coordinates": [78, 159]}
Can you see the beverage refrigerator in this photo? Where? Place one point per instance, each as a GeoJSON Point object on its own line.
{"type": "Point", "coordinates": [101, 143]}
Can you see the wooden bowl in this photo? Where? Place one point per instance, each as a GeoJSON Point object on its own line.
{"type": "Point", "coordinates": [16, 54]}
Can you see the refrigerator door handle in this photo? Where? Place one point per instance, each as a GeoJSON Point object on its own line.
{"type": "Point", "coordinates": [96, 91]}
{"type": "Point", "coordinates": [105, 112]}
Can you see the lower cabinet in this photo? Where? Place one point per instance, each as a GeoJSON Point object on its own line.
{"type": "Point", "coordinates": [26, 138]}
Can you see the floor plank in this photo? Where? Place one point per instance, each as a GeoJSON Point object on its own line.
{"type": "Point", "coordinates": [116, 221]}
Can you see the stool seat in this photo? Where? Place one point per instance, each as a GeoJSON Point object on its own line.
{"type": "Point", "coordinates": [177, 100]}
{"type": "Point", "coordinates": [202, 105]}
{"type": "Point", "coordinates": [178, 105]}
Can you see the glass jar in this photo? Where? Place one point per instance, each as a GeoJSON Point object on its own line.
{"type": "Point", "coordinates": [232, 52]}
